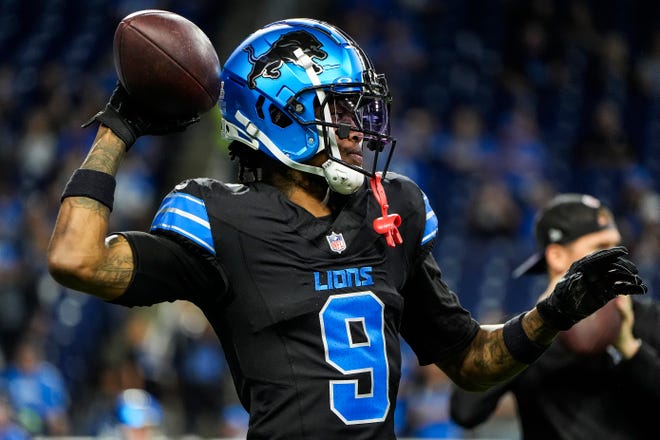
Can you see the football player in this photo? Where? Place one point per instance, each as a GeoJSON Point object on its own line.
{"type": "Point", "coordinates": [311, 267]}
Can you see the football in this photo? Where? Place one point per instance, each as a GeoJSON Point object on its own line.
{"type": "Point", "coordinates": [167, 63]}
{"type": "Point", "coordinates": [594, 333]}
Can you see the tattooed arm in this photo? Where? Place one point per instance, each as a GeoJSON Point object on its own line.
{"type": "Point", "coordinates": [79, 255]}
{"type": "Point", "coordinates": [487, 361]}
{"type": "Point", "coordinates": [441, 331]}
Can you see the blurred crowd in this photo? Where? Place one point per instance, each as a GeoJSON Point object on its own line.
{"type": "Point", "coordinates": [498, 105]}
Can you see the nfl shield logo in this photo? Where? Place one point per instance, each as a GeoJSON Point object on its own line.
{"type": "Point", "coordinates": [336, 242]}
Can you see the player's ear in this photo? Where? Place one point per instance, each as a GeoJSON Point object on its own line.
{"type": "Point", "coordinates": [557, 258]}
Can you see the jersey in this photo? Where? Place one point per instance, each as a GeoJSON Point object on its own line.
{"type": "Point", "coordinates": [308, 310]}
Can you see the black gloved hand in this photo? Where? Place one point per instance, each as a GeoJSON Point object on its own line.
{"type": "Point", "coordinates": [128, 120]}
{"type": "Point", "coordinates": [588, 285]}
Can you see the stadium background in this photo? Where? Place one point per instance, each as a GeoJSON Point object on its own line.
{"type": "Point", "coordinates": [497, 106]}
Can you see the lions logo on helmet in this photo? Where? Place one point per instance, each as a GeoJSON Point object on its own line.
{"type": "Point", "coordinates": [269, 63]}
{"type": "Point", "coordinates": [278, 89]}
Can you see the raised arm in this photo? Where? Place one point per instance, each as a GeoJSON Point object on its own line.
{"type": "Point", "coordinates": [79, 255]}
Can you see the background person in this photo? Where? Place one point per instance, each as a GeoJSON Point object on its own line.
{"type": "Point", "coordinates": [572, 391]}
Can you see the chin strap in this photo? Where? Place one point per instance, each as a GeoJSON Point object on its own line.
{"type": "Point", "coordinates": [387, 224]}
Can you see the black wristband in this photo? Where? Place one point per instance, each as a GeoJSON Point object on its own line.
{"type": "Point", "coordinates": [518, 343]}
{"type": "Point", "coordinates": [553, 316]}
{"type": "Point", "coordinates": [94, 184]}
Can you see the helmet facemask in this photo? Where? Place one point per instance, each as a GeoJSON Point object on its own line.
{"type": "Point", "coordinates": [343, 110]}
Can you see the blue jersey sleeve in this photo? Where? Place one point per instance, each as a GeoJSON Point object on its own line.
{"type": "Point", "coordinates": [186, 215]}
{"type": "Point", "coordinates": [431, 225]}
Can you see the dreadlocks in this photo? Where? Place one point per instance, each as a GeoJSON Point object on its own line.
{"type": "Point", "coordinates": [249, 161]}
{"type": "Point", "coordinates": [254, 165]}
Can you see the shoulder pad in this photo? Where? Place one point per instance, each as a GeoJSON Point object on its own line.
{"type": "Point", "coordinates": [401, 185]}
{"type": "Point", "coordinates": [203, 185]}
{"type": "Point", "coordinates": [183, 212]}
{"type": "Point", "coordinates": [406, 190]}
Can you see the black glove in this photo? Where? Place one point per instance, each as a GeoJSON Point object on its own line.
{"type": "Point", "coordinates": [588, 285]}
{"type": "Point", "coordinates": [128, 120]}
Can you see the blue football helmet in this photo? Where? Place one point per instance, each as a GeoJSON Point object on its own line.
{"type": "Point", "coordinates": [281, 88]}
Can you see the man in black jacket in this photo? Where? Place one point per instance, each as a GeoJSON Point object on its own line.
{"type": "Point", "coordinates": [580, 392]}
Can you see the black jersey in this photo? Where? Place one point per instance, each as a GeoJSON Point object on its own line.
{"type": "Point", "coordinates": [308, 310]}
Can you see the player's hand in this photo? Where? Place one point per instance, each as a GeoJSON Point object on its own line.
{"type": "Point", "coordinates": [589, 284]}
{"type": "Point", "coordinates": [128, 120]}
